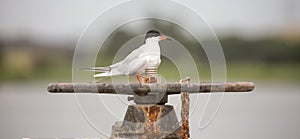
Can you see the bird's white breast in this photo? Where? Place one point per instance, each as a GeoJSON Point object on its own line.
{"type": "Point", "coordinates": [151, 54]}
{"type": "Point", "coordinates": [153, 61]}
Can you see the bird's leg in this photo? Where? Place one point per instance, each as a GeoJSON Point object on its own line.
{"type": "Point", "coordinates": [139, 79]}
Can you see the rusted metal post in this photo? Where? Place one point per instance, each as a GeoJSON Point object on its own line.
{"type": "Point", "coordinates": [150, 118]}
{"type": "Point", "coordinates": [150, 125]}
{"type": "Point", "coordinates": [185, 110]}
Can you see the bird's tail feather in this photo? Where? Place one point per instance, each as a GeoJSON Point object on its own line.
{"type": "Point", "coordinates": [97, 69]}
{"type": "Point", "coordinates": [108, 73]}
{"type": "Point", "coordinates": [105, 74]}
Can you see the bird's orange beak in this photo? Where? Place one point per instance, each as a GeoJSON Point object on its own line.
{"type": "Point", "coordinates": [162, 38]}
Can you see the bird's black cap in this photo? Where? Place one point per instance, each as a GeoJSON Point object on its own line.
{"type": "Point", "coordinates": [152, 33]}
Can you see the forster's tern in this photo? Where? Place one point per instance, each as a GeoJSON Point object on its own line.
{"type": "Point", "coordinates": [147, 55]}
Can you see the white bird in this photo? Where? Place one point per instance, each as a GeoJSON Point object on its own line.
{"type": "Point", "coordinates": [147, 55]}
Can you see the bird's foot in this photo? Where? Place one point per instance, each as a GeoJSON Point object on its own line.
{"type": "Point", "coordinates": [139, 79]}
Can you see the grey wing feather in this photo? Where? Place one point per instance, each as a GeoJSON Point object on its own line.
{"type": "Point", "coordinates": [133, 55]}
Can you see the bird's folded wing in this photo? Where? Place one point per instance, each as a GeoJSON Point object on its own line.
{"type": "Point", "coordinates": [130, 57]}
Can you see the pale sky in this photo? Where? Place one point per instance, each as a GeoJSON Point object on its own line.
{"type": "Point", "coordinates": [68, 18]}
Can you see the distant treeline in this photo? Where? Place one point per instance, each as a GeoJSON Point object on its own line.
{"type": "Point", "coordinates": [261, 51]}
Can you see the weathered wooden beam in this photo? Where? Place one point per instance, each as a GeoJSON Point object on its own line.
{"type": "Point", "coordinates": [134, 88]}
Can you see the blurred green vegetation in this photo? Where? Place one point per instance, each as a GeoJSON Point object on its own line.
{"type": "Point", "coordinates": [262, 51]}
{"type": "Point", "coordinates": [245, 72]}
{"type": "Point", "coordinates": [272, 59]}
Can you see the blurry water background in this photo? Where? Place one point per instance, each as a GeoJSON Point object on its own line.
{"type": "Point", "coordinates": [260, 39]}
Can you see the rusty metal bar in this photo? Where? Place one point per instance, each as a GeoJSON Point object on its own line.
{"type": "Point", "coordinates": [134, 88]}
